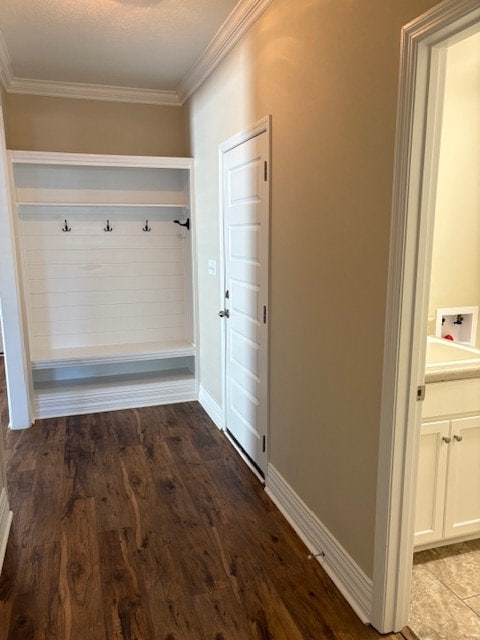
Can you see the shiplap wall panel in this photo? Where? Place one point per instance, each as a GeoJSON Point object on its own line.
{"type": "Point", "coordinates": [104, 325]}
{"type": "Point", "coordinates": [138, 269]}
{"type": "Point", "coordinates": [92, 298]}
{"type": "Point", "coordinates": [96, 255]}
{"type": "Point", "coordinates": [125, 283]}
{"type": "Point", "coordinates": [36, 212]}
{"type": "Point", "coordinates": [42, 231]}
{"type": "Point", "coordinates": [125, 310]}
{"type": "Point", "coordinates": [169, 334]}
{"type": "Point", "coordinates": [89, 287]}
{"type": "Point", "coordinates": [90, 196]}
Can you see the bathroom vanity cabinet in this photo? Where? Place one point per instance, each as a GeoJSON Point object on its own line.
{"type": "Point", "coordinates": [448, 487]}
{"type": "Point", "coordinates": [107, 277]}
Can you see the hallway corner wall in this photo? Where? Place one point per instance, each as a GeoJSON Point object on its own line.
{"type": "Point", "coordinates": [327, 72]}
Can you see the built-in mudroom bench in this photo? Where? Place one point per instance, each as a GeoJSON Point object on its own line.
{"type": "Point", "coordinates": [106, 266]}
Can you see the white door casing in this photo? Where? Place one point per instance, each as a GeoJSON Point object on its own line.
{"type": "Point", "coordinates": [246, 207]}
{"type": "Point", "coordinates": [416, 161]}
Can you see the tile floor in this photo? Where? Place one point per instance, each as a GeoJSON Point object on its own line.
{"type": "Point", "coordinates": [446, 593]}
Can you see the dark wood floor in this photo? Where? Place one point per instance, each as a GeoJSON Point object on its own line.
{"type": "Point", "coordinates": [146, 525]}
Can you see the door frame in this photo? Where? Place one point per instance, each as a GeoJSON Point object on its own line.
{"type": "Point", "coordinates": [422, 68]}
{"type": "Point", "coordinates": [264, 125]}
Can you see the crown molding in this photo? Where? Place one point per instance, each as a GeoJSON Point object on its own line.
{"type": "Point", "coordinates": [92, 92]}
{"type": "Point", "coordinates": [245, 13]}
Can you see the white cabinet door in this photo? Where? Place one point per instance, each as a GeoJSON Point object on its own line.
{"type": "Point", "coordinates": [432, 472]}
{"type": "Point", "coordinates": [462, 507]}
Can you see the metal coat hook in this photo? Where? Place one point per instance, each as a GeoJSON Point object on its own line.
{"type": "Point", "coordinates": [66, 227]}
{"type": "Point", "coordinates": [108, 227]}
{"type": "Point", "coordinates": [146, 227]}
{"type": "Point", "coordinates": [183, 224]}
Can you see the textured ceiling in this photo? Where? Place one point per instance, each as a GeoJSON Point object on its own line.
{"type": "Point", "coordinates": [148, 44]}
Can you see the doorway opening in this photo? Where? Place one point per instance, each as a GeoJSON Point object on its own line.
{"type": "Point", "coordinates": [245, 216]}
{"type": "Point", "coordinates": [445, 595]}
{"type": "Point", "coordinates": [426, 43]}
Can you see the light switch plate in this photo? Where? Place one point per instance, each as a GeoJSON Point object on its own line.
{"type": "Point", "coordinates": [212, 267]}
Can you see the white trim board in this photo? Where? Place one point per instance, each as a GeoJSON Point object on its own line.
{"type": "Point", "coordinates": [407, 298]}
{"type": "Point", "coordinates": [261, 126]}
{"type": "Point", "coordinates": [98, 160]}
{"type": "Point", "coordinates": [115, 397]}
{"type": "Point", "coordinates": [83, 91]}
{"type": "Point", "coordinates": [212, 407]}
{"type": "Point", "coordinates": [5, 524]}
{"type": "Point", "coordinates": [242, 17]}
{"type": "Point", "coordinates": [350, 580]}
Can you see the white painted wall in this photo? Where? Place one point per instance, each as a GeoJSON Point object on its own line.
{"type": "Point", "coordinates": [455, 279]}
{"type": "Point", "coordinates": [16, 348]}
{"type": "Point", "coordinates": [211, 126]}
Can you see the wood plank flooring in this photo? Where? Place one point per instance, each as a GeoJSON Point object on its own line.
{"type": "Point", "coordinates": [146, 525]}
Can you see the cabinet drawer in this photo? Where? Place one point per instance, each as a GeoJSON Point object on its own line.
{"type": "Point", "coordinates": [452, 397]}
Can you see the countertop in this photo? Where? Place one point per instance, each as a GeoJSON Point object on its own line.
{"type": "Point", "coordinates": [445, 374]}
{"type": "Point", "coordinates": [448, 361]}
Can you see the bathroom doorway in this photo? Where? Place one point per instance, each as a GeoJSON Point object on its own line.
{"type": "Point", "coordinates": [445, 595]}
{"type": "Point", "coordinates": [426, 44]}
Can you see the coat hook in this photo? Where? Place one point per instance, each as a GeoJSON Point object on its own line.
{"type": "Point", "coordinates": [183, 224]}
{"type": "Point", "coordinates": [108, 227]}
{"type": "Point", "coordinates": [146, 227]}
{"type": "Point", "coordinates": [66, 227]}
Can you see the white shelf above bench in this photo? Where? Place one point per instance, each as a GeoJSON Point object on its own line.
{"type": "Point", "coordinates": [110, 205]}
{"type": "Point", "coordinates": [110, 354]}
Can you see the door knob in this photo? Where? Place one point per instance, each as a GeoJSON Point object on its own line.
{"type": "Point", "coordinates": [458, 438]}
{"type": "Point", "coordinates": [446, 439]}
{"type": "Point", "coordinates": [224, 314]}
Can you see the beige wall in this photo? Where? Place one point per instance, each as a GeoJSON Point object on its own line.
{"type": "Point", "coordinates": [455, 278]}
{"type": "Point", "coordinates": [327, 71]}
{"type": "Point", "coordinates": [38, 123]}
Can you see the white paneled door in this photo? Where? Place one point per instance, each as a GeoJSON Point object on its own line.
{"type": "Point", "coordinates": [246, 221]}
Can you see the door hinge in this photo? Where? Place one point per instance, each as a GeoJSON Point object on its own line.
{"type": "Point", "coordinates": [265, 171]}
{"type": "Point", "coordinates": [227, 294]}
{"type": "Point", "coordinates": [264, 314]}
{"type": "Point", "coordinates": [421, 393]}
{"type": "Point", "coordinates": [264, 443]}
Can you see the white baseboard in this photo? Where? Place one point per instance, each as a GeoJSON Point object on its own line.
{"type": "Point", "coordinates": [211, 406]}
{"type": "Point", "coordinates": [78, 401]}
{"type": "Point", "coordinates": [352, 582]}
{"type": "Point", "coordinates": [5, 523]}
